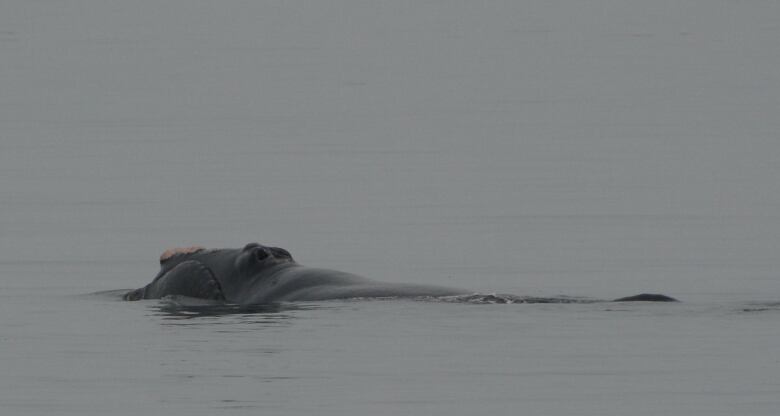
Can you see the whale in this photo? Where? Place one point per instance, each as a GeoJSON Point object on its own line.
{"type": "Point", "coordinates": [257, 274]}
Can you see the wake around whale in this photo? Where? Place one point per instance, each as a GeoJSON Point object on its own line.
{"type": "Point", "coordinates": [257, 275]}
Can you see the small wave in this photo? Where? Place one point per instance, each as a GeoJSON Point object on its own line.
{"type": "Point", "coordinates": [187, 307]}
{"type": "Point", "coordinates": [506, 299]}
{"type": "Point", "coordinates": [115, 294]}
{"type": "Point", "coordinates": [762, 307]}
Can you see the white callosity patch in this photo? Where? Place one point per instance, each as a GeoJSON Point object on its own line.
{"type": "Point", "coordinates": [179, 250]}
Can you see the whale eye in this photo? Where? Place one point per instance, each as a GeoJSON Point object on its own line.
{"type": "Point", "coordinates": [261, 254]}
{"type": "Point", "coordinates": [280, 252]}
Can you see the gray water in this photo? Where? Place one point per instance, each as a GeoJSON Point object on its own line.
{"type": "Point", "coordinates": [542, 148]}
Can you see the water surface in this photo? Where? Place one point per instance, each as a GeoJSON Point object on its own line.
{"type": "Point", "coordinates": [583, 148]}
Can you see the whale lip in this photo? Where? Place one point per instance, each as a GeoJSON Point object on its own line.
{"type": "Point", "coordinates": [200, 282]}
{"type": "Point", "coordinates": [213, 280]}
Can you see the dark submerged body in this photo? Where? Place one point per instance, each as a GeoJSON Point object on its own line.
{"type": "Point", "coordinates": [257, 275]}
